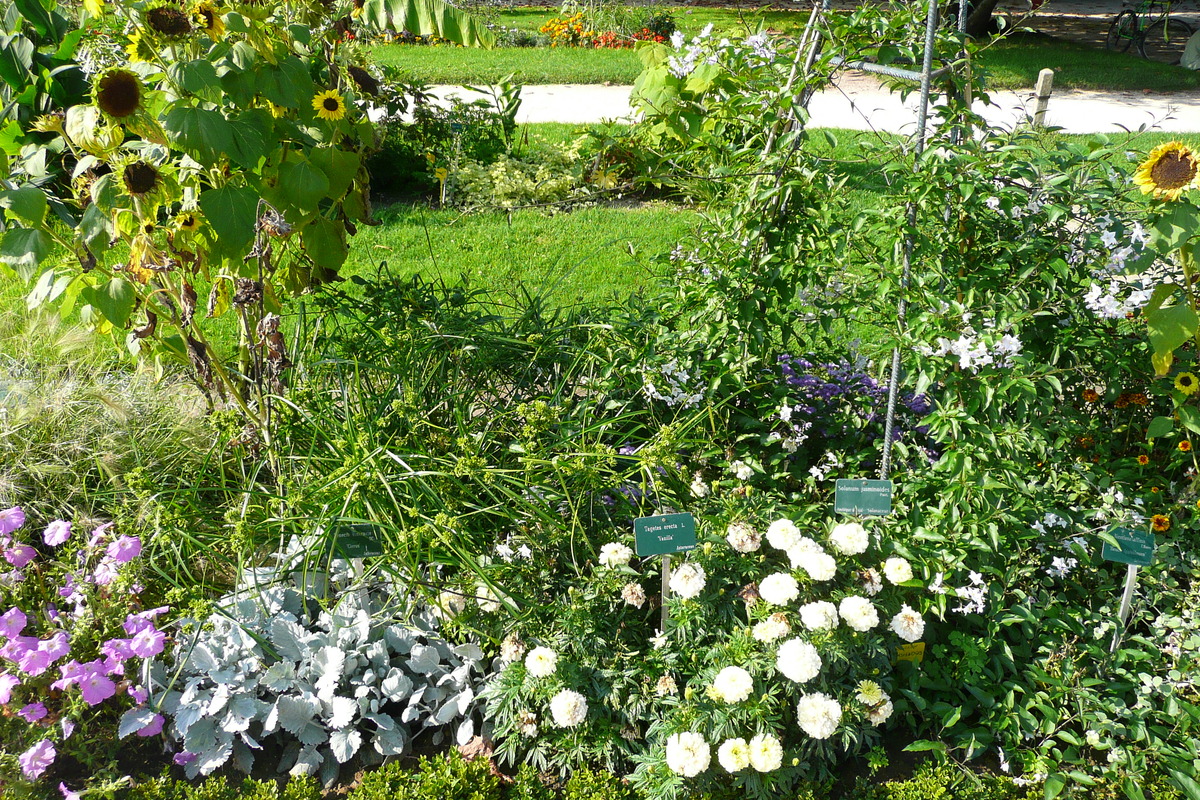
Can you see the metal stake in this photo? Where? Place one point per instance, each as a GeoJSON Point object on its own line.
{"type": "Point", "coordinates": [666, 589]}
{"type": "Point", "coordinates": [1126, 602]}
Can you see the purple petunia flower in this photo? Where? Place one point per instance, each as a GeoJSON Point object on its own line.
{"type": "Point", "coordinates": [11, 519]}
{"type": "Point", "coordinates": [125, 549]}
{"type": "Point", "coordinates": [95, 686]}
{"type": "Point", "coordinates": [68, 727]}
{"type": "Point", "coordinates": [148, 642]}
{"type": "Point", "coordinates": [33, 712]}
{"type": "Point", "coordinates": [106, 572]}
{"type": "Point", "coordinates": [71, 672]}
{"type": "Point", "coordinates": [57, 532]}
{"type": "Point", "coordinates": [57, 646]}
{"type": "Point", "coordinates": [139, 695]}
{"type": "Point", "coordinates": [12, 622]}
{"type": "Point", "coordinates": [19, 555]}
{"type": "Point", "coordinates": [67, 793]}
{"type": "Point", "coordinates": [98, 535]}
{"type": "Point", "coordinates": [154, 728]}
{"type": "Point", "coordinates": [37, 759]}
{"type": "Point", "coordinates": [183, 758]}
{"type": "Point", "coordinates": [7, 684]}
{"type": "Point", "coordinates": [116, 649]}
{"type": "Point", "coordinates": [34, 661]}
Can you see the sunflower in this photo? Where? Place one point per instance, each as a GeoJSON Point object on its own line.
{"type": "Point", "coordinates": [168, 21]}
{"type": "Point", "coordinates": [1143, 459]}
{"type": "Point", "coordinates": [367, 83]}
{"type": "Point", "coordinates": [118, 93]}
{"type": "Point", "coordinates": [138, 48]}
{"type": "Point", "coordinates": [329, 105]}
{"type": "Point", "coordinates": [210, 19]}
{"type": "Point", "coordinates": [1185, 446]}
{"type": "Point", "coordinates": [188, 221]}
{"type": "Point", "coordinates": [140, 178]}
{"type": "Point", "coordinates": [1168, 171]}
{"type": "Point", "coordinates": [1187, 383]}
{"type": "Point", "coordinates": [1160, 523]}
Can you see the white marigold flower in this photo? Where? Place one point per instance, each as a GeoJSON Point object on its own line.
{"type": "Point", "coordinates": [766, 753]}
{"type": "Point", "coordinates": [798, 660]}
{"type": "Point", "coordinates": [858, 612]}
{"type": "Point", "coordinates": [871, 580]}
{"type": "Point", "coordinates": [849, 538]}
{"type": "Point", "coordinates": [819, 615]}
{"type": "Point", "coordinates": [908, 624]}
{"type": "Point", "coordinates": [699, 487]}
{"type": "Point", "coordinates": [666, 685]}
{"type": "Point", "coordinates": [687, 754]}
{"type": "Point", "coordinates": [732, 685]}
{"type": "Point", "coordinates": [527, 724]}
{"type": "Point", "coordinates": [783, 534]}
{"type": "Point", "coordinates": [634, 595]}
{"type": "Point", "coordinates": [487, 599]}
{"type": "Point", "coordinates": [688, 580]}
{"type": "Point", "coordinates": [773, 627]}
{"type": "Point", "coordinates": [877, 715]}
{"type": "Point", "coordinates": [734, 755]}
{"type": "Point", "coordinates": [897, 570]}
{"type": "Point", "coordinates": [870, 693]}
{"type": "Point", "coordinates": [818, 715]}
{"type": "Point", "coordinates": [615, 554]}
{"type": "Point", "coordinates": [819, 566]}
{"type": "Point", "coordinates": [541, 662]}
{"type": "Point", "coordinates": [742, 537]}
{"type": "Point", "coordinates": [568, 708]}
{"type": "Point", "coordinates": [512, 649]}
{"type": "Point", "coordinates": [778, 589]}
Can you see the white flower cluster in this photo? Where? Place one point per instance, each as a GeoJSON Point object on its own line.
{"type": "Point", "coordinates": [798, 660]}
{"type": "Point", "coordinates": [512, 649]}
{"type": "Point", "coordinates": [819, 615]}
{"type": "Point", "coordinates": [773, 627]}
{"type": "Point", "coordinates": [699, 487]}
{"type": "Point", "coordinates": [849, 538]}
{"type": "Point", "coordinates": [633, 594]}
{"type": "Point", "coordinates": [615, 554]}
{"type": "Point", "coordinates": [818, 715]}
{"type": "Point", "coordinates": [897, 570]}
{"type": "Point", "coordinates": [568, 708]}
{"type": "Point", "coordinates": [779, 589]}
{"type": "Point", "coordinates": [975, 594]}
{"type": "Point", "coordinates": [908, 624]}
{"type": "Point", "coordinates": [742, 537]}
{"type": "Point", "coordinates": [732, 685]}
{"type": "Point", "coordinates": [506, 552]}
{"type": "Point", "coordinates": [1050, 520]}
{"type": "Point", "coordinates": [1061, 567]}
{"type": "Point", "coordinates": [858, 613]}
{"type": "Point", "coordinates": [878, 703]}
{"type": "Point", "coordinates": [829, 462]}
{"type": "Point", "coordinates": [541, 662]}
{"type": "Point", "coordinates": [688, 580]}
{"type": "Point", "coordinates": [687, 754]}
{"type": "Point", "coordinates": [1108, 304]}
{"type": "Point", "coordinates": [682, 65]}
{"type": "Point", "coordinates": [675, 390]}
{"type": "Point", "coordinates": [741, 470]}
{"type": "Point", "coordinates": [973, 352]}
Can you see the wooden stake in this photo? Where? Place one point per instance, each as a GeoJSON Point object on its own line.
{"type": "Point", "coordinates": [1045, 84]}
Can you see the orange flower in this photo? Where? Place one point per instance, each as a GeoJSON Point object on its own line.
{"type": "Point", "coordinates": [1139, 399]}
{"type": "Point", "coordinates": [1160, 523]}
{"type": "Point", "coordinates": [1090, 395]}
{"type": "Point", "coordinates": [1185, 446]}
{"type": "Point", "coordinates": [1143, 459]}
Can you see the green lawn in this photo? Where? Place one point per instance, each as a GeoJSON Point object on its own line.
{"type": "Point", "coordinates": [1014, 63]}
{"type": "Point", "coordinates": [529, 65]}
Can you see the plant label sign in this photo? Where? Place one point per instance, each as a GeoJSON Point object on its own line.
{"type": "Point", "coordinates": [862, 497]}
{"type": "Point", "coordinates": [914, 652]}
{"type": "Point", "coordinates": [1137, 547]}
{"type": "Point", "coordinates": [359, 540]}
{"type": "Point", "coordinates": [664, 534]}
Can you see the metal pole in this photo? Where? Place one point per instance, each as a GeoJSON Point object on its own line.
{"type": "Point", "coordinates": [931, 21]}
{"type": "Point", "coordinates": [1126, 602]}
{"type": "Point", "coordinates": [666, 589]}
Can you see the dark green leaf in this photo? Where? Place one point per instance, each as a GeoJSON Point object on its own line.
{"type": "Point", "coordinates": [325, 242]}
{"type": "Point", "coordinates": [232, 212]}
{"type": "Point", "coordinates": [27, 202]}
{"type": "Point", "coordinates": [250, 132]}
{"type": "Point", "coordinates": [338, 165]}
{"type": "Point", "coordinates": [115, 300]}
{"type": "Point", "coordinates": [301, 185]}
{"type": "Point", "coordinates": [1159, 427]}
{"type": "Point", "coordinates": [23, 249]}
{"type": "Point", "coordinates": [16, 60]}
{"type": "Point", "coordinates": [203, 133]}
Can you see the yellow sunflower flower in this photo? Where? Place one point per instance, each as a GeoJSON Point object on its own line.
{"type": "Point", "coordinates": [1187, 383]}
{"type": "Point", "coordinates": [329, 105]}
{"type": "Point", "coordinates": [210, 18]}
{"type": "Point", "coordinates": [188, 221]}
{"type": "Point", "coordinates": [118, 93]}
{"type": "Point", "coordinates": [1168, 171]}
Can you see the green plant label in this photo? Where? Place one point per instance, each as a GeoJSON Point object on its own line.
{"type": "Point", "coordinates": [1136, 547]}
{"type": "Point", "coordinates": [665, 533]}
{"type": "Point", "coordinates": [863, 497]}
{"type": "Point", "coordinates": [359, 540]}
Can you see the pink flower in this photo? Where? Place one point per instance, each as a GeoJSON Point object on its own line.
{"type": "Point", "coordinates": [34, 661]}
{"type": "Point", "coordinates": [37, 759]}
{"type": "Point", "coordinates": [116, 649]}
{"type": "Point", "coordinates": [67, 793]}
{"type": "Point", "coordinates": [57, 646]}
{"type": "Point", "coordinates": [148, 642]}
{"type": "Point", "coordinates": [19, 555]}
{"type": "Point", "coordinates": [57, 532]}
{"type": "Point", "coordinates": [106, 572]}
{"type": "Point", "coordinates": [143, 619]}
{"type": "Point", "coordinates": [33, 712]}
{"type": "Point", "coordinates": [12, 622]}
{"type": "Point", "coordinates": [125, 549]}
{"type": "Point", "coordinates": [7, 684]}
{"type": "Point", "coordinates": [11, 519]}
{"type": "Point", "coordinates": [96, 687]}
{"type": "Point", "coordinates": [184, 758]}
{"type": "Point", "coordinates": [138, 695]}
{"type": "Point", "coordinates": [68, 727]}
{"type": "Point", "coordinates": [99, 534]}
{"type": "Point", "coordinates": [72, 672]}
{"type": "Point", "coordinates": [154, 728]}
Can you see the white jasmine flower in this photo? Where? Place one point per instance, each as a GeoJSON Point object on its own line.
{"type": "Point", "coordinates": [858, 613]}
{"type": "Point", "coordinates": [615, 554]}
{"type": "Point", "coordinates": [634, 595]}
{"type": "Point", "coordinates": [734, 755]}
{"type": "Point", "coordinates": [512, 649]}
{"type": "Point", "coordinates": [766, 753]}
{"type": "Point", "coordinates": [504, 552]}
{"type": "Point", "coordinates": [732, 685]}
{"type": "Point", "coordinates": [818, 715]}
{"type": "Point", "coordinates": [688, 580]}
{"type": "Point", "coordinates": [741, 470]}
{"type": "Point", "coordinates": [666, 685]}
{"type": "Point", "coordinates": [908, 624]}
{"type": "Point", "coordinates": [849, 538]}
{"type": "Point", "coordinates": [897, 570]}
{"type": "Point", "coordinates": [659, 640]}
{"type": "Point", "coordinates": [938, 585]}
{"type": "Point", "coordinates": [541, 662]}
{"type": "Point", "coordinates": [524, 552]}
{"type": "Point", "coordinates": [568, 708]}
{"type": "Point", "coordinates": [871, 580]}
{"type": "Point", "coordinates": [779, 589]}
{"type": "Point", "coordinates": [742, 537]}
{"type": "Point", "coordinates": [819, 566]}
{"type": "Point", "coordinates": [687, 754]}
{"type": "Point", "coordinates": [819, 615]}
{"type": "Point", "coordinates": [783, 534]}
{"type": "Point", "coordinates": [798, 660]}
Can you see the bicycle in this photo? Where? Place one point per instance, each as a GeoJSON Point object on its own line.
{"type": "Point", "coordinates": [1159, 36]}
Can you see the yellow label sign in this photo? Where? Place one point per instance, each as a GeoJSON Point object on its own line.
{"type": "Point", "coordinates": [911, 652]}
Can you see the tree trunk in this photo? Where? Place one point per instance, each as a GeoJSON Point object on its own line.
{"type": "Point", "coordinates": [979, 23]}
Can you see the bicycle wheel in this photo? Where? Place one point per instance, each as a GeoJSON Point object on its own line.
{"type": "Point", "coordinates": [1164, 40]}
{"type": "Point", "coordinates": [1121, 32]}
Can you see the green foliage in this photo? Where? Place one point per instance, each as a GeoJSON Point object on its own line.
{"type": "Point", "coordinates": [221, 788]}
{"type": "Point", "coordinates": [601, 785]}
{"type": "Point", "coordinates": [450, 776]}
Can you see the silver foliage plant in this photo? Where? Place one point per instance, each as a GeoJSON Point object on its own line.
{"type": "Point", "coordinates": [324, 683]}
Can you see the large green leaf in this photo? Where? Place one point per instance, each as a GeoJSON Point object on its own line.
{"type": "Point", "coordinates": [340, 166]}
{"type": "Point", "coordinates": [250, 133]}
{"type": "Point", "coordinates": [232, 212]}
{"type": "Point", "coordinates": [428, 17]}
{"type": "Point", "coordinates": [1174, 227]}
{"type": "Point", "coordinates": [325, 242]}
{"type": "Point", "coordinates": [202, 133]}
{"type": "Point", "coordinates": [16, 60]}
{"type": "Point", "coordinates": [286, 84]}
{"type": "Point", "coordinates": [301, 184]}
{"type": "Point", "coordinates": [114, 299]}
{"type": "Point", "coordinates": [1168, 329]}
{"type": "Point", "coordinates": [195, 76]}
{"type": "Point", "coordinates": [27, 202]}
{"type": "Point", "coordinates": [23, 249]}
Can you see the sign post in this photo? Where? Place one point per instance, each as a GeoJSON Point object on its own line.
{"type": "Point", "coordinates": [862, 497]}
{"type": "Point", "coordinates": [663, 535]}
{"type": "Point", "coordinates": [358, 541]}
{"type": "Point", "coordinates": [1135, 549]}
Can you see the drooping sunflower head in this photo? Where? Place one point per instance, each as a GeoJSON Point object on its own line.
{"type": "Point", "coordinates": [169, 21]}
{"type": "Point", "coordinates": [329, 105]}
{"type": "Point", "coordinates": [1187, 383]}
{"type": "Point", "coordinates": [366, 82]}
{"type": "Point", "coordinates": [140, 178]}
{"type": "Point", "coordinates": [118, 93]}
{"type": "Point", "coordinates": [138, 48]}
{"type": "Point", "coordinates": [209, 17]}
{"type": "Point", "coordinates": [1169, 171]}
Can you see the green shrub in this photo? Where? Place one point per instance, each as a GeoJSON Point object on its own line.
{"type": "Point", "coordinates": [586, 784]}
{"type": "Point", "coordinates": [218, 788]}
{"type": "Point", "coordinates": [528, 784]}
{"type": "Point", "coordinates": [445, 777]}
